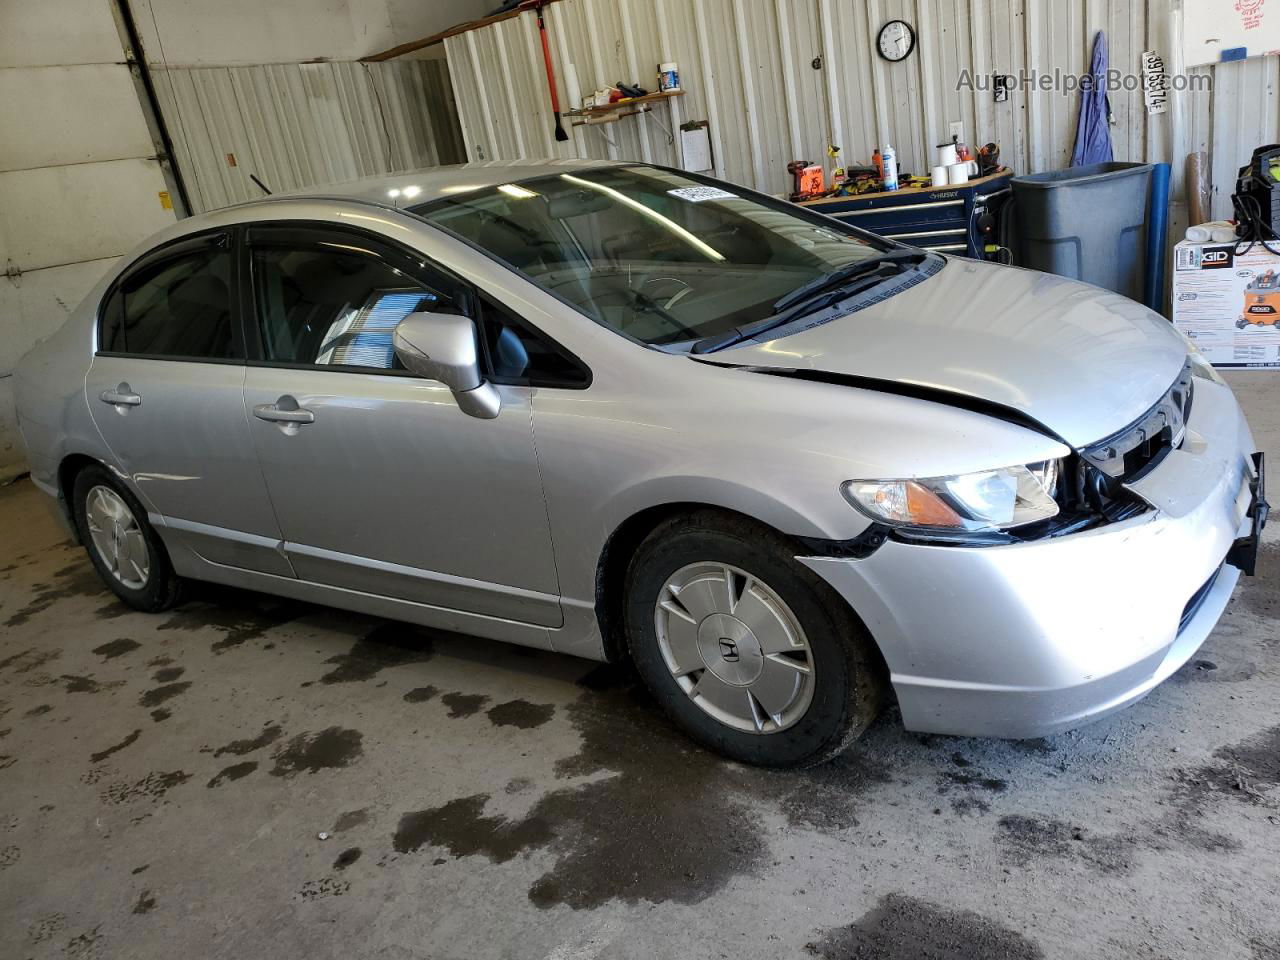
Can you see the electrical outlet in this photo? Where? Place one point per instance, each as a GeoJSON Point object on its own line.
{"type": "Point", "coordinates": [957, 130]}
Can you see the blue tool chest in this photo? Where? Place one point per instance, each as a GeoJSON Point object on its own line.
{"type": "Point", "coordinates": [937, 218]}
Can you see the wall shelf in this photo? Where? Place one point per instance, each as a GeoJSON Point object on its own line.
{"type": "Point", "coordinates": [624, 104]}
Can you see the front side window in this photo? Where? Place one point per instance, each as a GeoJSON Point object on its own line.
{"type": "Point", "coordinates": [177, 306]}
{"type": "Point", "coordinates": [335, 305]}
{"type": "Point", "coordinates": [518, 354]}
{"type": "Point", "coordinates": [651, 253]}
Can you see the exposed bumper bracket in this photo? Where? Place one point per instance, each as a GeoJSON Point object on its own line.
{"type": "Point", "coordinates": [1244, 552]}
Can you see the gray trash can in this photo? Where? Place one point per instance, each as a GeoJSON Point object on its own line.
{"type": "Point", "coordinates": [1088, 223]}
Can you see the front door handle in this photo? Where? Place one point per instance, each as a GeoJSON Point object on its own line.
{"type": "Point", "coordinates": [121, 396]}
{"type": "Point", "coordinates": [274, 414]}
{"type": "Point", "coordinates": [286, 413]}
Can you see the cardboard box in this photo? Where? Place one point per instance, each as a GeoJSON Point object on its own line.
{"type": "Point", "coordinates": [1228, 304]}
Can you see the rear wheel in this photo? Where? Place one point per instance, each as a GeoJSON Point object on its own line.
{"type": "Point", "coordinates": [744, 648]}
{"type": "Point", "coordinates": [121, 543]}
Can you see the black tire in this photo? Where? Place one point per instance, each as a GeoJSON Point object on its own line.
{"type": "Point", "coordinates": [163, 588]}
{"type": "Point", "coordinates": [850, 680]}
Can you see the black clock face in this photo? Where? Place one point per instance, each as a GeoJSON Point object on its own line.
{"type": "Point", "coordinates": [896, 41]}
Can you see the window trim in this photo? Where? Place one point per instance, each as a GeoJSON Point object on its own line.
{"type": "Point", "coordinates": [311, 234]}
{"type": "Point", "coordinates": [169, 251]}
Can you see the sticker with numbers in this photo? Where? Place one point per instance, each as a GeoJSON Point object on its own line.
{"type": "Point", "coordinates": [700, 194]}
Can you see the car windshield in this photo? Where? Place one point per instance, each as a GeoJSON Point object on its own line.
{"type": "Point", "coordinates": [651, 253]}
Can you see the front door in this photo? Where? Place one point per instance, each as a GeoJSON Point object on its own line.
{"type": "Point", "coordinates": [166, 392]}
{"type": "Point", "coordinates": [380, 482]}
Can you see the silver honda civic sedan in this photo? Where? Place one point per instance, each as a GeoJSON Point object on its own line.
{"type": "Point", "coordinates": [788, 469]}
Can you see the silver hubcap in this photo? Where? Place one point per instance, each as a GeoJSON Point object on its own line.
{"type": "Point", "coordinates": [117, 537]}
{"type": "Point", "coordinates": [734, 647]}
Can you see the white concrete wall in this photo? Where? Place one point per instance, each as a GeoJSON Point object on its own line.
{"type": "Point", "coordinates": [79, 184]}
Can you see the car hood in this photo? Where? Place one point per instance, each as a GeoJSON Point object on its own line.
{"type": "Point", "coordinates": [1080, 360]}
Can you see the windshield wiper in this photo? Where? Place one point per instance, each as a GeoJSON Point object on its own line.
{"type": "Point", "coordinates": [849, 271]}
{"type": "Point", "coordinates": [642, 303]}
{"type": "Point", "coordinates": [830, 288]}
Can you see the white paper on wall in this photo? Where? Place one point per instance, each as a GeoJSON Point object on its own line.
{"type": "Point", "coordinates": [1210, 27]}
{"type": "Point", "coordinates": [695, 146]}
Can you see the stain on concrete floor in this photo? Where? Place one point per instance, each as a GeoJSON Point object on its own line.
{"type": "Point", "coordinates": [233, 772]}
{"type": "Point", "coordinates": [520, 714]}
{"type": "Point", "coordinates": [116, 648]}
{"type": "Point", "coordinates": [115, 748]}
{"type": "Point", "coordinates": [905, 928]}
{"type": "Point", "coordinates": [388, 645]}
{"type": "Point", "coordinates": [327, 749]}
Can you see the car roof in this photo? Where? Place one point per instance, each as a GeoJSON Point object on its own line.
{"type": "Point", "coordinates": [422, 186]}
{"type": "Point", "coordinates": [400, 190]}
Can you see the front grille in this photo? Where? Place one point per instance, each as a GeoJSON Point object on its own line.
{"type": "Point", "coordinates": [1196, 601]}
{"type": "Point", "coordinates": [1129, 453]}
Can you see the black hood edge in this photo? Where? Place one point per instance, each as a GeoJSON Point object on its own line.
{"type": "Point", "coordinates": [950, 398]}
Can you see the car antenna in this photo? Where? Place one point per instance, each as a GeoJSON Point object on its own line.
{"type": "Point", "coordinates": [265, 188]}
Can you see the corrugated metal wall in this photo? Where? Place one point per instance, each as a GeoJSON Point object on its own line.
{"type": "Point", "coordinates": [302, 124]}
{"type": "Point", "coordinates": [747, 67]}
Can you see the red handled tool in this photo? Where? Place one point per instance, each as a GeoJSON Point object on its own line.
{"type": "Point", "coordinates": [551, 75]}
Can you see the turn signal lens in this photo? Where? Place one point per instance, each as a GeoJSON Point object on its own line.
{"type": "Point", "coordinates": [903, 502]}
{"type": "Point", "coordinates": [984, 501]}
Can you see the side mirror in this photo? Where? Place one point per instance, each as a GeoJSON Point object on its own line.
{"type": "Point", "coordinates": [442, 346]}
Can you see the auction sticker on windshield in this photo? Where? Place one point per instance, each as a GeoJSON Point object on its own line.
{"type": "Point", "coordinates": [699, 194]}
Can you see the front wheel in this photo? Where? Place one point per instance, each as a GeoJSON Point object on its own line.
{"type": "Point", "coordinates": [744, 648]}
{"type": "Point", "coordinates": [121, 543]}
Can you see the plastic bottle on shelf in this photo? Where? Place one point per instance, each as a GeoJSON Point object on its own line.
{"type": "Point", "coordinates": [890, 159]}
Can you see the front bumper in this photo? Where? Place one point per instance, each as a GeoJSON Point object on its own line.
{"type": "Point", "coordinates": [1029, 639]}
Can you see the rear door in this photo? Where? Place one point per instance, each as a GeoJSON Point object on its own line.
{"type": "Point", "coordinates": [166, 392]}
{"type": "Point", "coordinates": [381, 483]}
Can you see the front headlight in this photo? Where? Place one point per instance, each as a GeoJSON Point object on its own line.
{"type": "Point", "coordinates": [986, 501]}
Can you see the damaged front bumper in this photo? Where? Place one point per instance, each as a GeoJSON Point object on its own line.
{"type": "Point", "coordinates": [1027, 639]}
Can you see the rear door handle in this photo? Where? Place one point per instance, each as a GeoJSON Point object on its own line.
{"type": "Point", "coordinates": [121, 396]}
{"type": "Point", "coordinates": [285, 411]}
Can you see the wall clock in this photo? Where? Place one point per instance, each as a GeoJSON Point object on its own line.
{"type": "Point", "coordinates": [896, 41]}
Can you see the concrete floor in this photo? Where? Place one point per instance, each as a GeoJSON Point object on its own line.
{"type": "Point", "coordinates": [164, 781]}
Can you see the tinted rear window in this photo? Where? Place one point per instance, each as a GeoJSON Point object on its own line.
{"type": "Point", "coordinates": [177, 306]}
